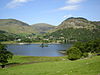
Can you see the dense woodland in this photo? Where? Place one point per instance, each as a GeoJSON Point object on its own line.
{"type": "Point", "coordinates": [71, 34]}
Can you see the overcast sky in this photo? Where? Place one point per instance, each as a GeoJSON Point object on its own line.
{"type": "Point", "coordinates": [49, 11]}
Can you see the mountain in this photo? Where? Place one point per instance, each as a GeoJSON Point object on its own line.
{"type": "Point", "coordinates": [77, 23]}
{"type": "Point", "coordinates": [96, 23]}
{"type": "Point", "coordinates": [15, 26]}
{"type": "Point", "coordinates": [42, 27]}
{"type": "Point", "coordinates": [71, 29]}
{"type": "Point", "coordinates": [76, 29]}
{"type": "Point", "coordinates": [19, 27]}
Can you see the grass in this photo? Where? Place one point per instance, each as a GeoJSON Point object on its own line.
{"type": "Point", "coordinates": [28, 59]}
{"type": "Point", "coordinates": [90, 66]}
{"type": "Point", "coordinates": [9, 42]}
{"type": "Point", "coordinates": [15, 42]}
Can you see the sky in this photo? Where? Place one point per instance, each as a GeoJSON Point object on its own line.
{"type": "Point", "coordinates": [49, 11]}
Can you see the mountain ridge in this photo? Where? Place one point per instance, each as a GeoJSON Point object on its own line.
{"type": "Point", "coordinates": [78, 22]}
{"type": "Point", "coordinates": [12, 21]}
{"type": "Point", "coordinates": [15, 26]}
{"type": "Point", "coordinates": [43, 27]}
{"type": "Point", "coordinates": [76, 29]}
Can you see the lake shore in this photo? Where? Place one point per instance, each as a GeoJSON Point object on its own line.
{"type": "Point", "coordinates": [13, 42]}
{"type": "Point", "coordinates": [62, 52]}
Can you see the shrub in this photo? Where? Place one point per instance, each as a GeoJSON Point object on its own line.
{"type": "Point", "coordinates": [74, 53]}
{"type": "Point", "coordinates": [90, 46]}
{"type": "Point", "coordinates": [85, 55]}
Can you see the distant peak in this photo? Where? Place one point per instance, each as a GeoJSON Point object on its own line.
{"type": "Point", "coordinates": [12, 21]}
{"type": "Point", "coordinates": [42, 24]}
{"type": "Point", "coordinates": [75, 18]}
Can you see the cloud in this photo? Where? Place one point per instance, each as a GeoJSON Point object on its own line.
{"type": "Point", "coordinates": [16, 3]}
{"type": "Point", "coordinates": [69, 7]}
{"type": "Point", "coordinates": [74, 1]}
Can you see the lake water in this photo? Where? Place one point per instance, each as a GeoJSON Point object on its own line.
{"type": "Point", "coordinates": [36, 50]}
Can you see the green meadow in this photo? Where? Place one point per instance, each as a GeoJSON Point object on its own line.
{"type": "Point", "coordinates": [28, 65]}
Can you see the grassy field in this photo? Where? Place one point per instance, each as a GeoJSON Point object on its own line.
{"type": "Point", "coordinates": [29, 59]}
{"type": "Point", "coordinates": [9, 42]}
{"type": "Point", "coordinates": [15, 42]}
{"type": "Point", "coordinates": [90, 66]}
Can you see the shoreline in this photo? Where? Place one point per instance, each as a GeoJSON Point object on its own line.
{"type": "Point", "coordinates": [22, 43]}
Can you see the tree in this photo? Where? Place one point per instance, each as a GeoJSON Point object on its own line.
{"type": "Point", "coordinates": [94, 46]}
{"type": "Point", "coordinates": [82, 46]}
{"type": "Point", "coordinates": [85, 55]}
{"type": "Point", "coordinates": [28, 40]}
{"type": "Point", "coordinates": [2, 47]}
{"type": "Point", "coordinates": [90, 46]}
{"type": "Point", "coordinates": [4, 55]}
{"type": "Point", "coordinates": [74, 53]}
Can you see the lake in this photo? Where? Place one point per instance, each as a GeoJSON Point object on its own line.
{"type": "Point", "coordinates": [36, 50]}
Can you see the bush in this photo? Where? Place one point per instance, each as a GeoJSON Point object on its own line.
{"type": "Point", "coordinates": [90, 46]}
{"type": "Point", "coordinates": [85, 55]}
{"type": "Point", "coordinates": [74, 53]}
{"type": "Point", "coordinates": [82, 46]}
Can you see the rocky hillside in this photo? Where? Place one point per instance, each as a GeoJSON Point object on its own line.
{"type": "Point", "coordinates": [43, 27]}
{"type": "Point", "coordinates": [77, 23]}
{"type": "Point", "coordinates": [15, 26]}
{"type": "Point", "coordinates": [76, 29]}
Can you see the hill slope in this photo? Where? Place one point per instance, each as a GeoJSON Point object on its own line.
{"type": "Point", "coordinates": [5, 36]}
{"type": "Point", "coordinates": [43, 27]}
{"type": "Point", "coordinates": [76, 29]}
{"type": "Point", "coordinates": [77, 23]}
{"type": "Point", "coordinates": [90, 66]}
{"type": "Point", "coordinates": [15, 26]}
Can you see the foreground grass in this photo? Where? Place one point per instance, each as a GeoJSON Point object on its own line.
{"type": "Point", "coordinates": [90, 66]}
{"type": "Point", "coordinates": [28, 59]}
